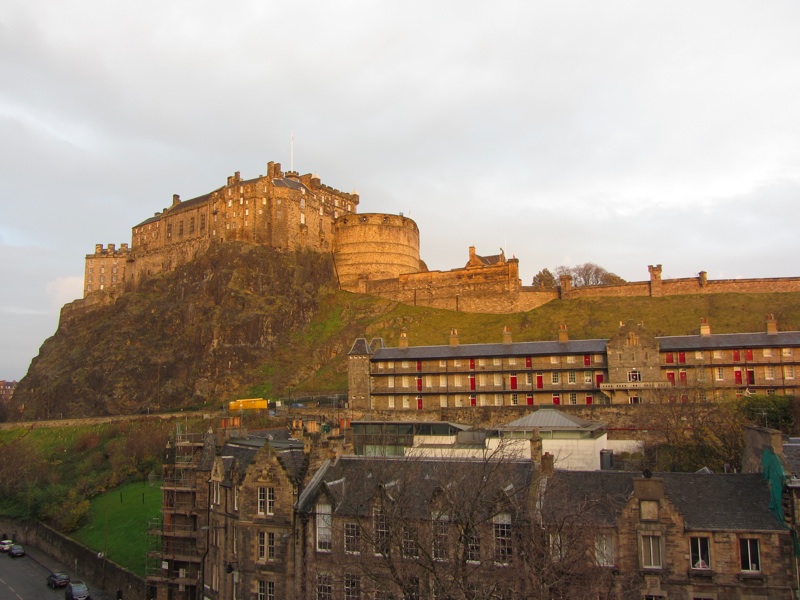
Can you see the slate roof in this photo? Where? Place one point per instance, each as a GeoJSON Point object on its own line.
{"type": "Point", "coordinates": [490, 350]}
{"type": "Point", "coordinates": [791, 455]}
{"type": "Point", "coordinates": [596, 346]}
{"type": "Point", "coordinates": [550, 418]}
{"type": "Point", "coordinates": [729, 340]}
{"type": "Point", "coordinates": [715, 502]}
{"type": "Point", "coordinates": [353, 481]}
{"type": "Point", "coordinates": [289, 183]}
{"type": "Point", "coordinates": [492, 259]}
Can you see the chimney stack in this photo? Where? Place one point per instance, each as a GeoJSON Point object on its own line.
{"type": "Point", "coordinates": [506, 335]}
{"type": "Point", "coordinates": [563, 335]}
{"type": "Point", "coordinates": [548, 463]}
{"type": "Point", "coordinates": [536, 447]}
{"type": "Point", "coordinates": [772, 325]}
{"type": "Point", "coordinates": [176, 199]}
{"type": "Point", "coordinates": [403, 340]}
{"type": "Point", "coordinates": [705, 327]}
{"type": "Point", "coordinates": [454, 338]}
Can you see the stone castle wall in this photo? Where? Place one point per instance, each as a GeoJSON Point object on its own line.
{"type": "Point", "coordinates": [658, 287]}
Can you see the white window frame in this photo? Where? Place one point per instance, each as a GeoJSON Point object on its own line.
{"type": "Point", "coordinates": [503, 542]}
{"type": "Point", "coordinates": [324, 526]}
{"type": "Point", "coordinates": [604, 549]}
{"type": "Point", "coordinates": [652, 552]}
{"type": "Point", "coordinates": [700, 553]}
{"type": "Point", "coordinates": [746, 548]}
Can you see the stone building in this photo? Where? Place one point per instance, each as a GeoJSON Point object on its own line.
{"type": "Point", "coordinates": [265, 516]}
{"type": "Point", "coordinates": [631, 367]}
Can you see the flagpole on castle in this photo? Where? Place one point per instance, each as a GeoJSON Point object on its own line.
{"type": "Point", "coordinates": [291, 154]}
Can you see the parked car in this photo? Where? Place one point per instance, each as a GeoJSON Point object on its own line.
{"type": "Point", "coordinates": [5, 545]}
{"type": "Point", "coordinates": [76, 590]}
{"type": "Point", "coordinates": [16, 551]}
{"type": "Point", "coordinates": [57, 579]}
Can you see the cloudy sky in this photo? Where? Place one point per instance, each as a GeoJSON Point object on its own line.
{"type": "Point", "coordinates": [621, 133]}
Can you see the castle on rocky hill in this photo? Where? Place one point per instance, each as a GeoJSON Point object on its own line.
{"type": "Point", "coordinates": [374, 253]}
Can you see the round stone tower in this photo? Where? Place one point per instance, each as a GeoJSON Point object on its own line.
{"type": "Point", "coordinates": [374, 246]}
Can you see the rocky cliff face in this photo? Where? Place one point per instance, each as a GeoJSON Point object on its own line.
{"type": "Point", "coordinates": [203, 333]}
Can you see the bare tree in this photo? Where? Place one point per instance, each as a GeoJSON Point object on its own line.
{"type": "Point", "coordinates": [588, 274]}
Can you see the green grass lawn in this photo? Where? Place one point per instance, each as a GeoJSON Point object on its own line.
{"type": "Point", "coordinates": [119, 524]}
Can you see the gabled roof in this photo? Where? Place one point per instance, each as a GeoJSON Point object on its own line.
{"type": "Point", "coordinates": [289, 183]}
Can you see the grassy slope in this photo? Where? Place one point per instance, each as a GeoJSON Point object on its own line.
{"type": "Point", "coordinates": [119, 524]}
{"type": "Point", "coordinates": [343, 317]}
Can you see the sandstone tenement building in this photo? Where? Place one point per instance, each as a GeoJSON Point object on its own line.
{"type": "Point", "coordinates": [631, 367]}
{"type": "Point", "coordinates": [263, 516]}
{"type": "Point", "coordinates": [374, 253]}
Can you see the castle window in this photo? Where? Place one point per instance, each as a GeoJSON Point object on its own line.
{"type": "Point", "coordinates": [515, 399]}
{"type": "Point", "coordinates": [573, 398]}
{"type": "Point", "coordinates": [496, 361]}
{"type": "Point", "coordinates": [717, 354]}
{"type": "Point", "coordinates": [769, 372]}
{"type": "Point", "coordinates": [767, 352]}
{"type": "Point", "coordinates": [169, 230]}
{"type": "Point", "coordinates": [302, 219]}
{"type": "Point", "coordinates": [554, 360]}
{"type": "Point", "coordinates": [786, 351]}
{"type": "Point", "coordinates": [571, 377]}
{"type": "Point", "coordinates": [498, 399]}
{"type": "Point", "coordinates": [720, 373]}
{"type": "Point", "coordinates": [498, 379]}
{"type": "Point", "coordinates": [788, 371]}
{"type": "Point", "coordinates": [230, 202]}
{"type": "Point", "coordinates": [191, 225]}
{"type": "Point", "coordinates": [246, 212]}
{"type": "Point", "coordinates": [698, 355]}
{"type": "Point", "coordinates": [635, 375]}
{"type": "Point", "coordinates": [555, 377]}
{"type": "Point", "coordinates": [443, 401]}
{"type": "Point", "coordinates": [570, 359]}
{"type": "Point", "coordinates": [587, 377]}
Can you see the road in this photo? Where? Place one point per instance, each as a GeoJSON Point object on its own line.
{"type": "Point", "coordinates": [26, 578]}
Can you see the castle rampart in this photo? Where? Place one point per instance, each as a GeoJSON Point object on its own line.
{"type": "Point", "coordinates": [374, 246]}
{"type": "Point", "coordinates": [658, 287]}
